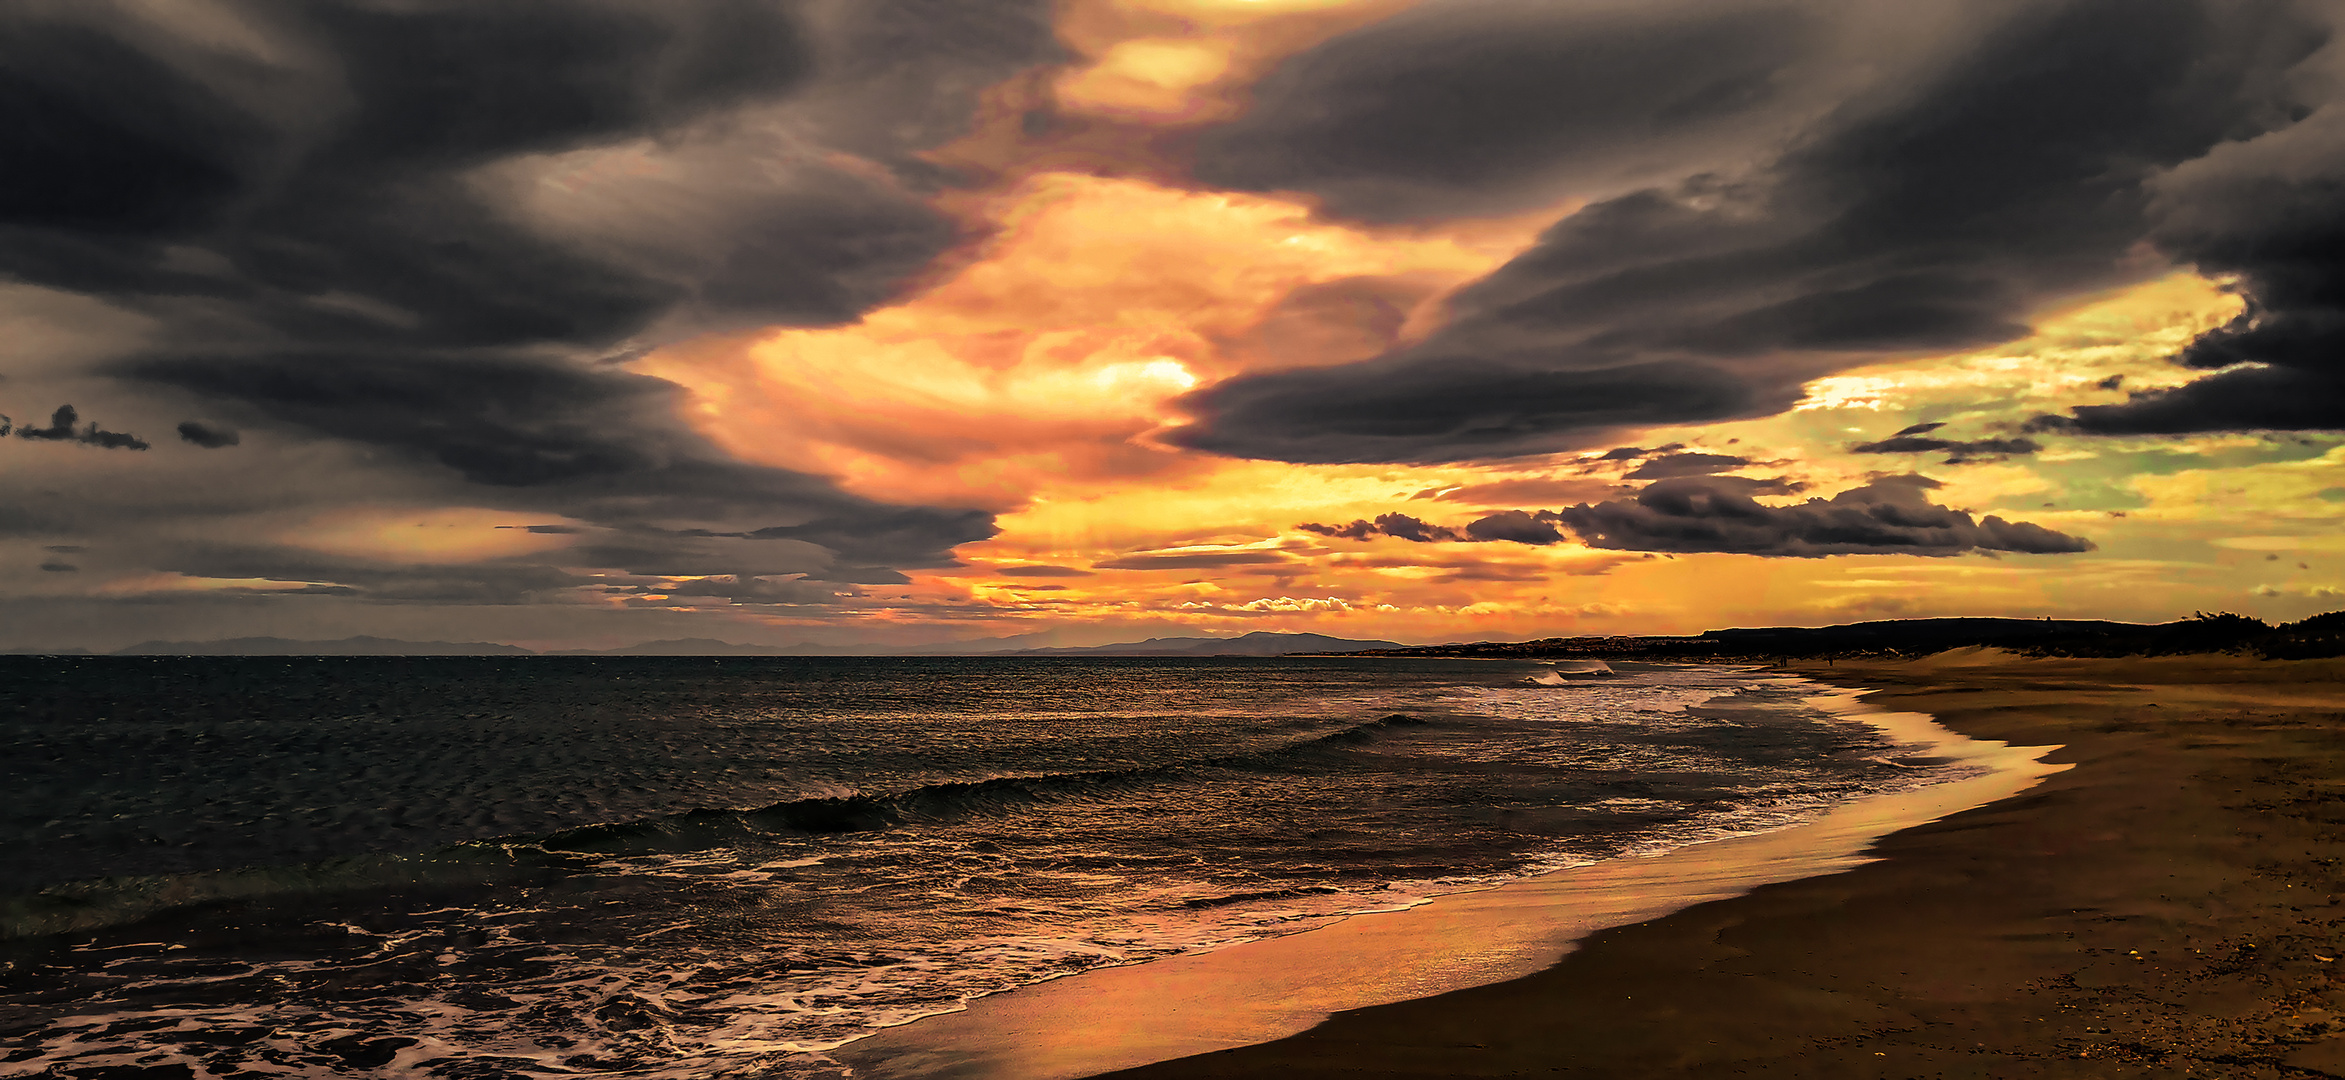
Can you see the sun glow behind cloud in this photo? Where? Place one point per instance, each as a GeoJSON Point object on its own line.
{"type": "Point", "coordinates": [1031, 380]}
{"type": "Point", "coordinates": [1030, 374]}
{"type": "Point", "coordinates": [1189, 61]}
{"type": "Point", "coordinates": [1048, 359]}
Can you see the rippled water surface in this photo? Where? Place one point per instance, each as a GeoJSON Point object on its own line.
{"type": "Point", "coordinates": [690, 867]}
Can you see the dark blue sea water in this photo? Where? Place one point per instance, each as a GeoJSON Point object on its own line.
{"type": "Point", "coordinates": [692, 867]}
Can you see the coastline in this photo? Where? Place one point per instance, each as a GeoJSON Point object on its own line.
{"type": "Point", "coordinates": [1227, 1003]}
{"type": "Point", "coordinates": [2169, 906]}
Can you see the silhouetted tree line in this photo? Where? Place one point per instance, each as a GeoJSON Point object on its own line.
{"type": "Point", "coordinates": [2202, 632]}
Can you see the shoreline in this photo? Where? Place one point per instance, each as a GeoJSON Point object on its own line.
{"type": "Point", "coordinates": [1258, 993]}
{"type": "Point", "coordinates": [2170, 906]}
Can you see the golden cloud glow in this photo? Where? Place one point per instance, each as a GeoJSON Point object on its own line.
{"type": "Point", "coordinates": [1048, 358]}
{"type": "Point", "coordinates": [2128, 334]}
{"type": "Point", "coordinates": [164, 582]}
{"type": "Point", "coordinates": [1188, 61]}
{"type": "Point", "coordinates": [424, 536]}
{"type": "Point", "coordinates": [1151, 78]}
{"type": "Point", "coordinates": [1030, 373]}
{"type": "Point", "coordinates": [1032, 379]}
{"type": "Point", "coordinates": [2267, 498]}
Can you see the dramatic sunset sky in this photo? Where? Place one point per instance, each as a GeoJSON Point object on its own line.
{"type": "Point", "coordinates": [578, 323]}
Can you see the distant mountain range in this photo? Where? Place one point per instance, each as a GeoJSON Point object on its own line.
{"type": "Point", "coordinates": [1259, 643]}
{"type": "Point", "coordinates": [352, 646]}
{"type": "Point", "coordinates": [2320, 635]}
{"type": "Point", "coordinates": [696, 646]}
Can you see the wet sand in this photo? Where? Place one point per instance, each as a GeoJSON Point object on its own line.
{"type": "Point", "coordinates": [2168, 907]}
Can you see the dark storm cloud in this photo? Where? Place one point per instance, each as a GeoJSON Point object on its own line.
{"type": "Point", "coordinates": [1516, 526]}
{"type": "Point", "coordinates": [1541, 490]}
{"type": "Point", "coordinates": [1448, 409]}
{"type": "Point", "coordinates": [1363, 529]}
{"type": "Point", "coordinates": [126, 145]}
{"type": "Point", "coordinates": [1892, 515]}
{"type": "Point", "coordinates": [916, 536]}
{"type": "Point", "coordinates": [1397, 526]}
{"type": "Point", "coordinates": [497, 420]}
{"type": "Point", "coordinates": [305, 572]}
{"type": "Point", "coordinates": [752, 590]}
{"type": "Point", "coordinates": [861, 575]}
{"type": "Point", "coordinates": [1669, 465]}
{"type": "Point", "coordinates": [1201, 560]}
{"type": "Point", "coordinates": [1917, 440]}
{"type": "Point", "coordinates": [599, 445]}
{"type": "Point", "coordinates": [208, 436]}
{"type": "Point", "coordinates": [107, 140]}
{"type": "Point", "coordinates": [1041, 571]}
{"type": "Point", "coordinates": [2243, 399]}
{"type": "Point", "coordinates": [418, 226]}
{"type": "Point", "coordinates": [454, 80]}
{"type": "Point", "coordinates": [494, 585]}
{"type": "Point", "coordinates": [1467, 108]}
{"type": "Point", "coordinates": [656, 553]}
{"type": "Point", "coordinates": [2269, 213]}
{"type": "Point", "coordinates": [61, 429]}
{"type": "Point", "coordinates": [1922, 218]}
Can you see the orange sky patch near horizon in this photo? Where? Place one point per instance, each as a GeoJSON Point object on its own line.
{"type": "Point", "coordinates": [1028, 372]}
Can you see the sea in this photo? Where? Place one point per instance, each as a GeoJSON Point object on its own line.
{"type": "Point", "coordinates": [505, 867]}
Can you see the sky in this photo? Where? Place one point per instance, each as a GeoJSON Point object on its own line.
{"type": "Point", "coordinates": [581, 323]}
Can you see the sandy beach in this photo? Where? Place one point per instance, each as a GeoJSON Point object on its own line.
{"type": "Point", "coordinates": [2165, 905]}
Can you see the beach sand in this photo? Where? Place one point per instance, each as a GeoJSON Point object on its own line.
{"type": "Point", "coordinates": [2169, 906]}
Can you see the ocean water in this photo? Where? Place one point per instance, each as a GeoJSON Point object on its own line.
{"type": "Point", "coordinates": [696, 867]}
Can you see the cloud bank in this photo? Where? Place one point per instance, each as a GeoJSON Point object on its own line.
{"type": "Point", "coordinates": [1889, 516]}
{"type": "Point", "coordinates": [422, 233]}
{"type": "Point", "coordinates": [2269, 213]}
{"type": "Point", "coordinates": [1778, 217]}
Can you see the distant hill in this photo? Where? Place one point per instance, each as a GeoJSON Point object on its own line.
{"type": "Point", "coordinates": [2321, 635]}
{"type": "Point", "coordinates": [1258, 643]}
{"type": "Point", "coordinates": [375, 646]}
{"type": "Point", "coordinates": [698, 646]}
{"type": "Point", "coordinates": [351, 646]}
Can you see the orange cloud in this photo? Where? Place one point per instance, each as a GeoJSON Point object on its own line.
{"type": "Point", "coordinates": [1047, 358]}
{"type": "Point", "coordinates": [1029, 371]}
{"type": "Point", "coordinates": [1164, 62]}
